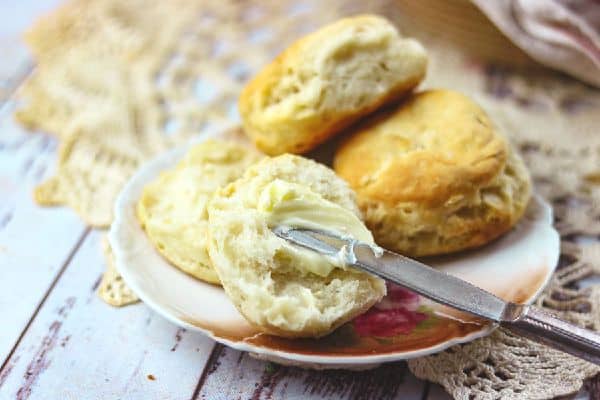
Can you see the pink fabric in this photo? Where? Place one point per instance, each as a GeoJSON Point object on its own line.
{"type": "Point", "coordinates": [563, 34]}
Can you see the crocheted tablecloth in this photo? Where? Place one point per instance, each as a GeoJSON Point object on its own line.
{"type": "Point", "coordinates": [119, 82]}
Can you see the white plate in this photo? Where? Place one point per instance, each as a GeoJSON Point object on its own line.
{"type": "Point", "coordinates": [516, 267]}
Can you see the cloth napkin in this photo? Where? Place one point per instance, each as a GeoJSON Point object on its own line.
{"type": "Point", "coordinates": [562, 34]}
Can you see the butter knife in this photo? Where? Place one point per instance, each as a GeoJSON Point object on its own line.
{"type": "Point", "coordinates": [525, 320]}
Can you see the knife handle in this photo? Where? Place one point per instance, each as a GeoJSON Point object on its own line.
{"type": "Point", "coordinates": [542, 327]}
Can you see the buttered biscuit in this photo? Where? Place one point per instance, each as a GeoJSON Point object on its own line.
{"type": "Point", "coordinates": [172, 208]}
{"type": "Point", "coordinates": [434, 176]}
{"type": "Point", "coordinates": [327, 80]}
{"type": "Point", "coordinates": [283, 289]}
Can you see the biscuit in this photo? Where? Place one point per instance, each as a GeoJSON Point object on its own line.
{"type": "Point", "coordinates": [172, 208]}
{"type": "Point", "coordinates": [327, 80]}
{"type": "Point", "coordinates": [433, 175]}
{"type": "Point", "coordinates": [278, 287]}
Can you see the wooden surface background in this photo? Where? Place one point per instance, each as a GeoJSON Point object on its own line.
{"type": "Point", "coordinates": [59, 341]}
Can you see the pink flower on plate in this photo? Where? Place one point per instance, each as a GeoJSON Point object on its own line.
{"type": "Point", "coordinates": [398, 297]}
{"type": "Point", "coordinates": [394, 315]}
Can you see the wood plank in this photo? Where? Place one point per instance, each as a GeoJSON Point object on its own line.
{"type": "Point", "coordinates": [24, 161]}
{"type": "Point", "coordinates": [235, 375]}
{"type": "Point", "coordinates": [78, 346]}
{"type": "Point", "coordinates": [34, 241]}
{"type": "Point", "coordinates": [583, 395]}
{"type": "Point", "coordinates": [437, 392]}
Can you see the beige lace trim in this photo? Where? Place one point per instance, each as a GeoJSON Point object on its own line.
{"type": "Point", "coordinates": [112, 288]}
{"type": "Point", "coordinates": [119, 82]}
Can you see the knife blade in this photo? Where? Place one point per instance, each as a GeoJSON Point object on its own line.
{"type": "Point", "coordinates": [448, 290]}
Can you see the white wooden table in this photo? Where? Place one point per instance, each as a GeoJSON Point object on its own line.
{"type": "Point", "coordinates": [59, 341]}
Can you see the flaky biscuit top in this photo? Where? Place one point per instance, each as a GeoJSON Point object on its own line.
{"type": "Point", "coordinates": [436, 145]}
{"type": "Point", "coordinates": [326, 80]}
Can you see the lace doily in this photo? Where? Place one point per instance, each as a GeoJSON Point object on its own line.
{"type": "Point", "coordinates": [112, 289]}
{"type": "Point", "coordinates": [119, 82]}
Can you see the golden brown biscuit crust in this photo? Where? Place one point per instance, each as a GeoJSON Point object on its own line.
{"type": "Point", "coordinates": [327, 80]}
{"type": "Point", "coordinates": [436, 144]}
{"type": "Point", "coordinates": [433, 176]}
